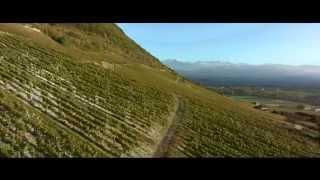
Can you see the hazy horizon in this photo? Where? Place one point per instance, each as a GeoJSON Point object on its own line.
{"type": "Point", "coordinates": [221, 61]}
{"type": "Point", "coordinates": [230, 74]}
{"type": "Point", "coordinates": [250, 43]}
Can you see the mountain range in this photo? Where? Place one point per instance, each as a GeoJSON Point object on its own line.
{"type": "Point", "coordinates": [219, 73]}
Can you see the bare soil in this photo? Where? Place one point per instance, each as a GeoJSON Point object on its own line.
{"type": "Point", "coordinates": [164, 144]}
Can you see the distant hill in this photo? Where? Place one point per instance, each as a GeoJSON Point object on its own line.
{"type": "Point", "coordinates": [88, 90]}
{"type": "Point", "coordinates": [225, 74]}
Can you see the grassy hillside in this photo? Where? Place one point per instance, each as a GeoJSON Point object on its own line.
{"type": "Point", "coordinates": [87, 90]}
{"type": "Point", "coordinates": [95, 106]}
{"type": "Point", "coordinates": [87, 42]}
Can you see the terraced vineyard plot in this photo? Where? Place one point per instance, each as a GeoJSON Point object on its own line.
{"type": "Point", "coordinates": [205, 132]}
{"type": "Point", "coordinates": [27, 133]}
{"type": "Point", "coordinates": [105, 110]}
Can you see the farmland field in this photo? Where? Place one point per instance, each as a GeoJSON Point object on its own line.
{"type": "Point", "coordinates": [277, 104]}
{"type": "Point", "coordinates": [304, 95]}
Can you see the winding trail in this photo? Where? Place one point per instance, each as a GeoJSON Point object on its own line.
{"type": "Point", "coordinates": [162, 148]}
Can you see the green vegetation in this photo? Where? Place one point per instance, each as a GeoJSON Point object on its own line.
{"type": "Point", "coordinates": [205, 131]}
{"type": "Point", "coordinates": [60, 39]}
{"type": "Point", "coordinates": [95, 105]}
{"type": "Point", "coordinates": [307, 95]}
{"type": "Point", "coordinates": [95, 93]}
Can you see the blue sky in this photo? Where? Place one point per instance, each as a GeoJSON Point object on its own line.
{"type": "Point", "coordinates": [252, 43]}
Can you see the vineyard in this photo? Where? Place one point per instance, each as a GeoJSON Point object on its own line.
{"type": "Point", "coordinates": [205, 131]}
{"type": "Point", "coordinates": [87, 90]}
{"type": "Point", "coordinates": [105, 114]}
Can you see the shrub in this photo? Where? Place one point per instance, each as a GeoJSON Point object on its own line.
{"type": "Point", "coordinates": [60, 39]}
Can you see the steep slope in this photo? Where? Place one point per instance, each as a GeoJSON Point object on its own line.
{"type": "Point", "coordinates": [101, 112]}
{"type": "Point", "coordinates": [87, 90]}
{"type": "Point", "coordinates": [100, 42]}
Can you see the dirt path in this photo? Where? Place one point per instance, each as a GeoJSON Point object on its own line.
{"type": "Point", "coordinates": [164, 144]}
